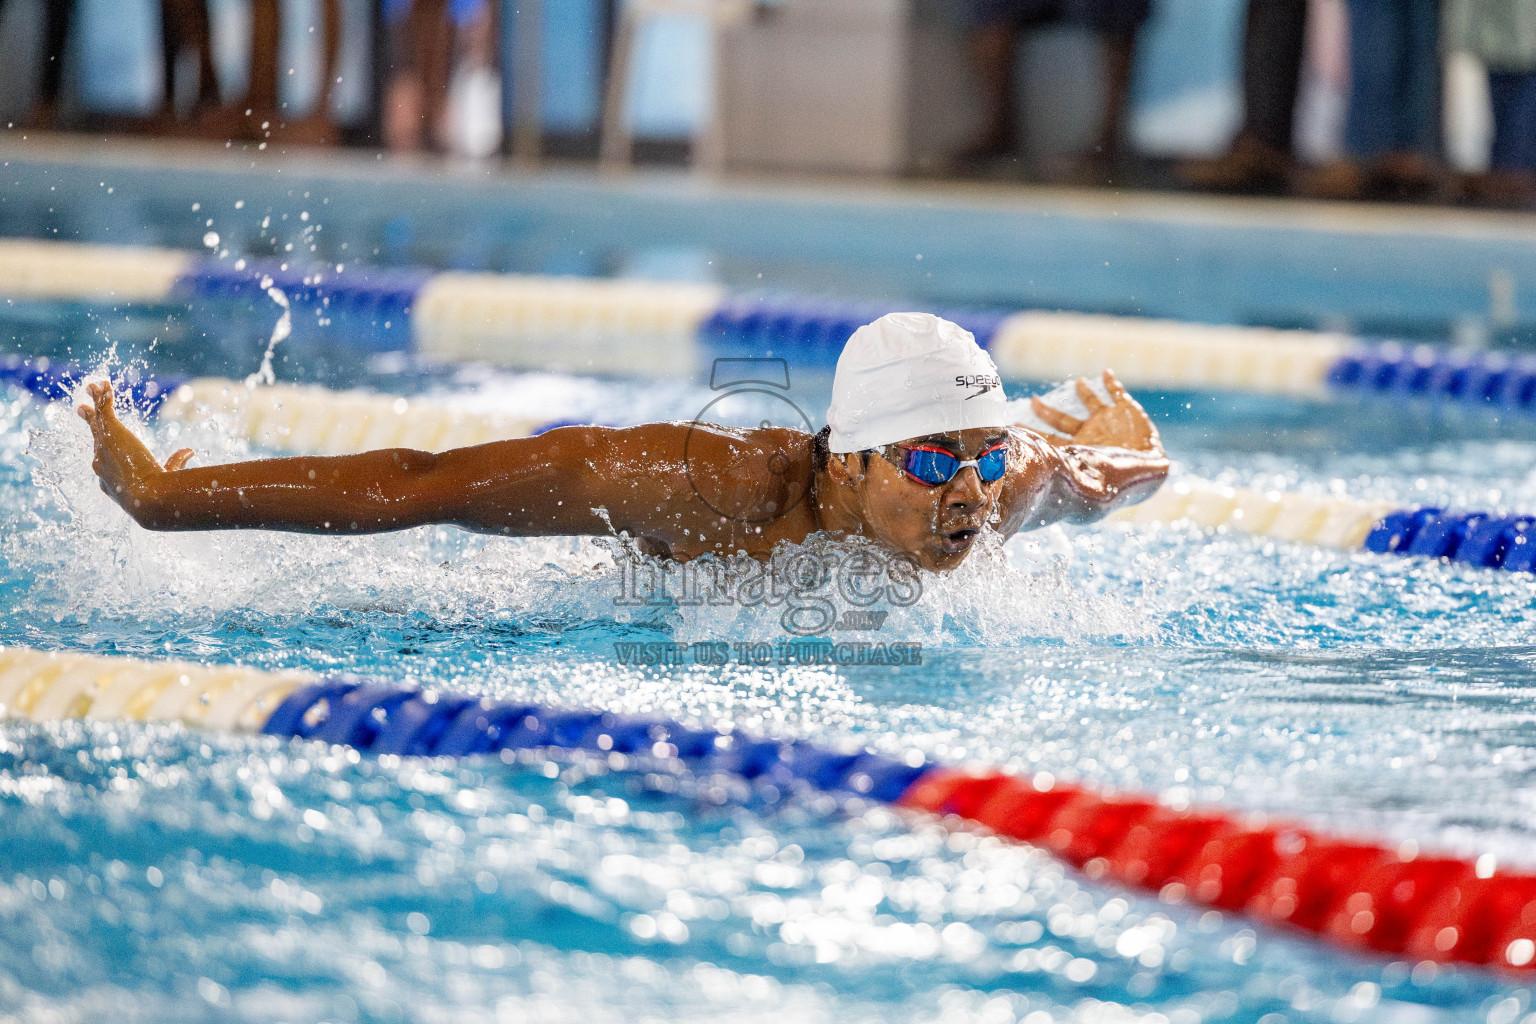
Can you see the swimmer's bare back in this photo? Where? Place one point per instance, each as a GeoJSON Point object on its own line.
{"type": "Point", "coordinates": [680, 489]}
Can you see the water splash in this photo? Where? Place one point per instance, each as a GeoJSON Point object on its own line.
{"type": "Point", "coordinates": [280, 331]}
{"type": "Point", "coordinates": [1357, 692]}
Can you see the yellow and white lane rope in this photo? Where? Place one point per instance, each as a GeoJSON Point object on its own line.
{"type": "Point", "coordinates": [69, 270]}
{"type": "Point", "coordinates": [638, 328]}
{"type": "Point", "coordinates": [1304, 519]}
{"type": "Point", "coordinates": [1166, 353]}
{"type": "Point", "coordinates": [45, 686]}
{"type": "Point", "coordinates": [315, 420]}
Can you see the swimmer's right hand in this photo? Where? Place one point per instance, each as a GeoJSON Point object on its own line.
{"type": "Point", "coordinates": [127, 469]}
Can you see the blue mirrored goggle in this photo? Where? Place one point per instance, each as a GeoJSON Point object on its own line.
{"type": "Point", "coordinates": [935, 466]}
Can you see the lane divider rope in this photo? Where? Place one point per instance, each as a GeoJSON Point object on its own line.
{"type": "Point", "coordinates": [1166, 353]}
{"type": "Point", "coordinates": [636, 328]}
{"type": "Point", "coordinates": [1488, 540]}
{"type": "Point", "coordinates": [298, 418]}
{"type": "Point", "coordinates": [36, 269]}
{"type": "Point", "coordinates": [1356, 893]}
{"type": "Point", "coordinates": [307, 419]}
{"type": "Point", "coordinates": [1301, 519]}
{"type": "Point", "coordinates": [653, 328]}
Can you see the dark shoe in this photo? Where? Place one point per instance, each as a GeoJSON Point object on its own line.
{"type": "Point", "coordinates": [1340, 180]}
{"type": "Point", "coordinates": [1410, 177]}
{"type": "Point", "coordinates": [314, 130]}
{"type": "Point", "coordinates": [42, 117]}
{"type": "Point", "coordinates": [1093, 169]}
{"type": "Point", "coordinates": [987, 155]}
{"type": "Point", "coordinates": [1249, 166]}
{"type": "Point", "coordinates": [1509, 190]}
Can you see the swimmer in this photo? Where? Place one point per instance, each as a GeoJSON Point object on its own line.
{"type": "Point", "coordinates": [920, 455]}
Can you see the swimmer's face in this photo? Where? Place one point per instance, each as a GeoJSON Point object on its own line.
{"type": "Point", "coordinates": [935, 525]}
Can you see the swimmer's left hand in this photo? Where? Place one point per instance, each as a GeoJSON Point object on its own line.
{"type": "Point", "coordinates": [1119, 423]}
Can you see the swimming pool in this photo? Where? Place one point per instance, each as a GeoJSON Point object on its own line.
{"type": "Point", "coordinates": [159, 874]}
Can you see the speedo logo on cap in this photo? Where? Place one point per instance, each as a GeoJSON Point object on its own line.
{"type": "Point", "coordinates": [985, 381]}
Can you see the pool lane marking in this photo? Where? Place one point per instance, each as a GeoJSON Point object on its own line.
{"type": "Point", "coordinates": [1170, 354]}
{"type": "Point", "coordinates": [316, 420]}
{"type": "Point", "coordinates": [588, 325]}
{"type": "Point", "coordinates": [1333, 522]}
{"type": "Point", "coordinates": [1486, 540]}
{"type": "Point", "coordinates": [1356, 893]}
{"type": "Point", "coordinates": [299, 418]}
{"type": "Point", "coordinates": [36, 269]}
{"type": "Point", "coordinates": [658, 328]}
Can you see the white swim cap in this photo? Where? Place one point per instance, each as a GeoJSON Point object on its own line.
{"type": "Point", "coordinates": [908, 375]}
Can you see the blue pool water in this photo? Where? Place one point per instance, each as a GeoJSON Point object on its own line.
{"type": "Point", "coordinates": [152, 874]}
{"type": "Point", "coordinates": [148, 873]}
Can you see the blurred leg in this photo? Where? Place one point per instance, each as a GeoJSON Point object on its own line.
{"type": "Point", "coordinates": [418, 85]}
{"type": "Point", "coordinates": [1511, 176]}
{"type": "Point", "coordinates": [331, 12]}
{"type": "Point", "coordinates": [992, 49]}
{"type": "Point", "coordinates": [1274, 35]}
{"type": "Point", "coordinates": [183, 27]}
{"type": "Point", "coordinates": [315, 128]}
{"type": "Point", "coordinates": [400, 100]}
{"type": "Point", "coordinates": [1117, 23]}
{"type": "Point", "coordinates": [1375, 56]}
{"type": "Point", "coordinates": [434, 62]}
{"type": "Point", "coordinates": [200, 35]}
{"type": "Point", "coordinates": [170, 51]}
{"type": "Point", "coordinates": [262, 95]}
{"type": "Point", "coordinates": [1272, 45]}
{"type": "Point", "coordinates": [1119, 60]}
{"type": "Point", "coordinates": [1400, 93]}
{"type": "Point", "coordinates": [1514, 120]}
{"type": "Point", "coordinates": [1419, 100]}
{"type": "Point", "coordinates": [57, 17]}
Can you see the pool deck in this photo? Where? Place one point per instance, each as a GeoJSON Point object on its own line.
{"type": "Point", "coordinates": [1190, 207]}
{"type": "Point", "coordinates": [1372, 267]}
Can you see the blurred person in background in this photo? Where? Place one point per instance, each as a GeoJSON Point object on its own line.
{"type": "Point", "coordinates": [262, 115]}
{"type": "Point", "coordinates": [443, 91]}
{"type": "Point", "coordinates": [1502, 34]}
{"type": "Point", "coordinates": [1392, 130]}
{"type": "Point", "coordinates": [184, 30]}
{"type": "Point", "coordinates": [57, 15]}
{"type": "Point", "coordinates": [995, 27]}
{"type": "Point", "coordinates": [1260, 157]}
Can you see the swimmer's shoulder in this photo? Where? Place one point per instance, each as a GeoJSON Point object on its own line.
{"type": "Point", "coordinates": [1028, 448]}
{"type": "Point", "coordinates": [669, 449]}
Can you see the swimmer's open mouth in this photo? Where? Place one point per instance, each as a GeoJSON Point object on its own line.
{"type": "Point", "coordinates": [957, 541]}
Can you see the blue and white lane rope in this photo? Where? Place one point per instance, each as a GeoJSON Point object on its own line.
{"type": "Point", "coordinates": [1353, 892]}
{"type": "Point", "coordinates": [651, 328]}
{"type": "Point", "coordinates": [1488, 540]}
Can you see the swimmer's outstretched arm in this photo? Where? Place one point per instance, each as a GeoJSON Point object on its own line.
{"type": "Point", "coordinates": [551, 484]}
{"type": "Point", "coordinates": [1110, 458]}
